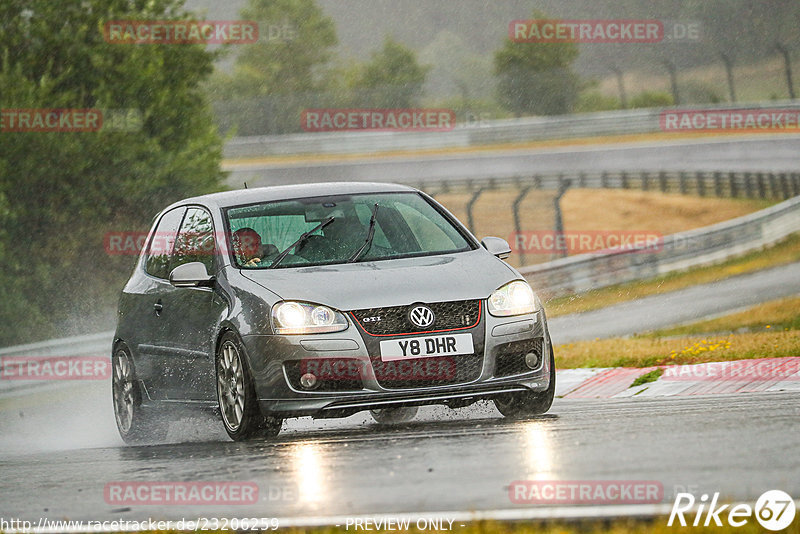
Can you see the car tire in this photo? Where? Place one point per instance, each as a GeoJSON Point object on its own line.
{"type": "Point", "coordinates": [236, 394]}
{"type": "Point", "coordinates": [529, 404]}
{"type": "Point", "coordinates": [393, 416]}
{"type": "Point", "coordinates": [137, 424]}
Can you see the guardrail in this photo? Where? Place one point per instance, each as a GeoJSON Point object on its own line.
{"type": "Point", "coordinates": [680, 251]}
{"type": "Point", "coordinates": [88, 345]}
{"type": "Point", "coordinates": [637, 121]}
{"type": "Point", "coordinates": [568, 275]}
{"type": "Point", "coordinates": [735, 184]}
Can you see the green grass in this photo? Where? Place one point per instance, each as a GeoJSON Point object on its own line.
{"type": "Point", "coordinates": [652, 376]}
{"type": "Point", "coordinates": [768, 330]}
{"type": "Point", "coordinates": [774, 316]}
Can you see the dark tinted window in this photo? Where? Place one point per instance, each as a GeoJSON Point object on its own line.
{"type": "Point", "coordinates": [162, 241]}
{"type": "Point", "coordinates": [195, 241]}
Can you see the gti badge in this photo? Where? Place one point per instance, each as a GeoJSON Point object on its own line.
{"type": "Point", "coordinates": [421, 316]}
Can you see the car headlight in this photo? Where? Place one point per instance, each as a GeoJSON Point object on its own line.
{"type": "Point", "coordinates": [290, 317]}
{"type": "Point", "coordinates": [514, 298]}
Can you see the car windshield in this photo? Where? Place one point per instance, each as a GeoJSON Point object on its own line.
{"type": "Point", "coordinates": [336, 229]}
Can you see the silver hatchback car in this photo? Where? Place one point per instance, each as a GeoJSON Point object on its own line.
{"type": "Point", "coordinates": [322, 300]}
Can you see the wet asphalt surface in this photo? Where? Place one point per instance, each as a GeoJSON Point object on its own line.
{"type": "Point", "coordinates": [61, 450]}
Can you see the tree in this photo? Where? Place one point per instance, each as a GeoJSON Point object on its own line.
{"type": "Point", "coordinates": [60, 192]}
{"type": "Point", "coordinates": [392, 78]}
{"type": "Point", "coordinates": [274, 79]}
{"type": "Point", "coordinates": [295, 41]}
{"type": "Point", "coordinates": [537, 78]}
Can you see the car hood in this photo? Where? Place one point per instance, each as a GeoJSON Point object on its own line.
{"type": "Point", "coordinates": [460, 276]}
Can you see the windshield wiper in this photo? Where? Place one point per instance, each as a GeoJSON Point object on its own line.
{"type": "Point", "coordinates": [285, 252]}
{"type": "Point", "coordinates": [368, 241]}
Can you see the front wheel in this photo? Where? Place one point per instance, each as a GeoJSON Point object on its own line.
{"type": "Point", "coordinates": [238, 403]}
{"type": "Point", "coordinates": [136, 424]}
{"type": "Point", "coordinates": [528, 404]}
{"type": "Point", "coordinates": [390, 416]}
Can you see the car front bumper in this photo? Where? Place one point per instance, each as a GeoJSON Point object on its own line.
{"type": "Point", "coordinates": [272, 358]}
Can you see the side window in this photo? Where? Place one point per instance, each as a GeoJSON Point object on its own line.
{"type": "Point", "coordinates": [195, 240]}
{"type": "Point", "coordinates": [159, 249]}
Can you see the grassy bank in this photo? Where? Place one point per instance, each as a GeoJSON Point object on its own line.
{"type": "Point", "coordinates": [769, 330]}
{"type": "Point", "coordinates": [787, 251]}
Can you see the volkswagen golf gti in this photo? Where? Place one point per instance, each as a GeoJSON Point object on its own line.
{"type": "Point", "coordinates": [322, 300]}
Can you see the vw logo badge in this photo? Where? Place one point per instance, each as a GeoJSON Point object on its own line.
{"type": "Point", "coordinates": [421, 316]}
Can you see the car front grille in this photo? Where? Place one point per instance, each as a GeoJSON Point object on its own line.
{"type": "Point", "coordinates": [510, 357]}
{"type": "Point", "coordinates": [428, 372]}
{"type": "Point", "coordinates": [392, 321]}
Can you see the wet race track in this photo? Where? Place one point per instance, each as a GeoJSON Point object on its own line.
{"type": "Point", "coordinates": [444, 462]}
{"type": "Point", "coordinates": [60, 451]}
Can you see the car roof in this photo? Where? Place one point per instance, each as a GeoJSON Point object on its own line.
{"type": "Point", "coordinates": [227, 199]}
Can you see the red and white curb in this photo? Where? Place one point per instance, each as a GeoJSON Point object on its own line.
{"type": "Point", "coordinates": [713, 378]}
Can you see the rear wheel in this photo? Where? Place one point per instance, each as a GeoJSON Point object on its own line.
{"type": "Point", "coordinates": [136, 424]}
{"type": "Point", "coordinates": [528, 404]}
{"type": "Point", "coordinates": [238, 403]}
{"type": "Point", "coordinates": [401, 414]}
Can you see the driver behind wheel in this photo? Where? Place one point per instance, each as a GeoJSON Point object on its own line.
{"type": "Point", "coordinates": [247, 246]}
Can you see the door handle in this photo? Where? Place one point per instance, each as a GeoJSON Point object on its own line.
{"type": "Point", "coordinates": [158, 307]}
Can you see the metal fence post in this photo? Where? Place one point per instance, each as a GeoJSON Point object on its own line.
{"type": "Point", "coordinates": [732, 186]}
{"type": "Point", "coordinates": [701, 184]}
{"type": "Point", "coordinates": [517, 221]}
{"type": "Point", "coordinates": [470, 205]}
{"type": "Point", "coordinates": [563, 185]}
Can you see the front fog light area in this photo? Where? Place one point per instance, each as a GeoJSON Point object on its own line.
{"type": "Point", "coordinates": [289, 317]}
{"type": "Point", "coordinates": [309, 381]}
{"type": "Point", "coordinates": [514, 298]}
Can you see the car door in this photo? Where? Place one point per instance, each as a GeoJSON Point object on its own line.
{"type": "Point", "coordinates": [191, 314]}
{"type": "Point", "coordinates": [146, 298]}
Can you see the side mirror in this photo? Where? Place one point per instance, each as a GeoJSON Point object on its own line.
{"type": "Point", "coordinates": [497, 247]}
{"type": "Point", "coordinates": [193, 274]}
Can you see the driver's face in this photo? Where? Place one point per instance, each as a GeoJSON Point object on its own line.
{"type": "Point", "coordinates": [248, 244]}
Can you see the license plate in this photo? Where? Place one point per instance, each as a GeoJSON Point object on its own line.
{"type": "Point", "coordinates": [425, 347]}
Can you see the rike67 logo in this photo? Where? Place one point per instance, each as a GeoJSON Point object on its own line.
{"type": "Point", "coordinates": [774, 510]}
